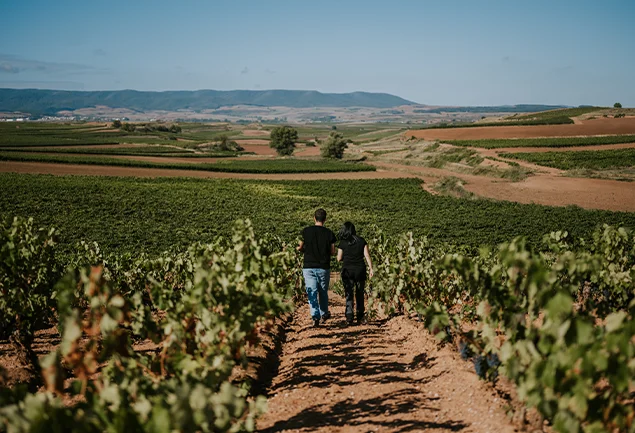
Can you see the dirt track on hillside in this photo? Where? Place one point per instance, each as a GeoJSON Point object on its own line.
{"type": "Point", "coordinates": [385, 376]}
{"type": "Point", "coordinates": [601, 126]}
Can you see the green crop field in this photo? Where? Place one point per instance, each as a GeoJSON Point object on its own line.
{"type": "Point", "coordinates": [544, 142]}
{"type": "Point", "coordinates": [232, 166]}
{"type": "Point", "coordinates": [555, 114]}
{"type": "Point", "coordinates": [592, 159]}
{"type": "Point", "coordinates": [167, 151]}
{"type": "Point", "coordinates": [131, 214]}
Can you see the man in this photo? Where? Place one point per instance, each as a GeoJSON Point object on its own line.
{"type": "Point", "coordinates": [318, 245]}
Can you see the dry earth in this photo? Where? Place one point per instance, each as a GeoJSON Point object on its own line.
{"type": "Point", "coordinates": [385, 376]}
{"type": "Point", "coordinates": [601, 126]}
{"type": "Point", "coordinates": [546, 189]}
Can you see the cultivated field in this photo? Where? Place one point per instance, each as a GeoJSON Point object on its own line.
{"type": "Point", "coordinates": [600, 126]}
{"type": "Point", "coordinates": [157, 286]}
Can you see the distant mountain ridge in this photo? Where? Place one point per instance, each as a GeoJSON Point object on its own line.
{"type": "Point", "coordinates": [39, 102]}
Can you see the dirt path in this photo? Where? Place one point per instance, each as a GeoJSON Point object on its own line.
{"type": "Point", "coordinates": [387, 376]}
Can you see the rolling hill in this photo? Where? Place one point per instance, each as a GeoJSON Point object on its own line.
{"type": "Point", "coordinates": [52, 101]}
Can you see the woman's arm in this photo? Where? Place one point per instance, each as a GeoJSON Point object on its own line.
{"type": "Point", "coordinates": [370, 262]}
{"type": "Point", "coordinates": [340, 255]}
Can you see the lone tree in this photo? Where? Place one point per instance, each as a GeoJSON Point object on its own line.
{"type": "Point", "coordinates": [617, 105]}
{"type": "Point", "coordinates": [283, 139]}
{"type": "Point", "coordinates": [334, 146]}
{"type": "Point", "coordinates": [116, 123]}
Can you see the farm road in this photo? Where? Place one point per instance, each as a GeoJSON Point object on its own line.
{"type": "Point", "coordinates": [385, 376]}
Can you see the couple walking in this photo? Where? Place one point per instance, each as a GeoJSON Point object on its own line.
{"type": "Point", "coordinates": [318, 245]}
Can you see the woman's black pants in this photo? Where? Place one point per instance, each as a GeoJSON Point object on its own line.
{"type": "Point", "coordinates": [354, 282]}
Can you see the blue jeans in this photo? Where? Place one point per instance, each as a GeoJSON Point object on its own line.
{"type": "Point", "coordinates": [317, 286]}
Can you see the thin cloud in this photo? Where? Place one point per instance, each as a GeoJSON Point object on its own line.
{"type": "Point", "coordinates": [245, 70]}
{"type": "Point", "coordinates": [15, 65]}
{"type": "Point", "coordinates": [8, 68]}
{"type": "Point", "coordinates": [99, 52]}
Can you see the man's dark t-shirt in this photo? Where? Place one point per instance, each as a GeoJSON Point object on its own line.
{"type": "Point", "coordinates": [353, 255]}
{"type": "Point", "coordinates": [317, 247]}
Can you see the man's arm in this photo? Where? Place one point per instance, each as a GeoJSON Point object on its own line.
{"type": "Point", "coordinates": [371, 273]}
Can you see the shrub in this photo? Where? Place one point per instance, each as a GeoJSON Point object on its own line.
{"type": "Point", "coordinates": [334, 146]}
{"type": "Point", "coordinates": [128, 127]}
{"type": "Point", "coordinates": [224, 144]}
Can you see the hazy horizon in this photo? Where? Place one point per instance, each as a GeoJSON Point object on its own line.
{"type": "Point", "coordinates": [455, 53]}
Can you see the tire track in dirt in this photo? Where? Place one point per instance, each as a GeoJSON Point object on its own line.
{"type": "Point", "coordinates": [385, 376]}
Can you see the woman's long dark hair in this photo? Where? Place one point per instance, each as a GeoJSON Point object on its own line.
{"type": "Point", "coordinates": [347, 233]}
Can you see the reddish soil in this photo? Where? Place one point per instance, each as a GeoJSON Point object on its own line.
{"type": "Point", "coordinates": [263, 149]}
{"type": "Point", "coordinates": [259, 149]}
{"type": "Point", "coordinates": [253, 141]}
{"type": "Point", "coordinates": [548, 189]}
{"type": "Point", "coordinates": [303, 150]}
{"type": "Point", "coordinates": [98, 170]}
{"type": "Point", "coordinates": [255, 133]}
{"type": "Point", "coordinates": [601, 126]}
{"type": "Point", "coordinates": [385, 376]}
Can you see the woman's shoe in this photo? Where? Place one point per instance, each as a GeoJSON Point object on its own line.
{"type": "Point", "coordinates": [316, 323]}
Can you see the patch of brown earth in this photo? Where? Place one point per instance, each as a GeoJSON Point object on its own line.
{"type": "Point", "coordinates": [255, 133]}
{"type": "Point", "coordinates": [601, 126]}
{"type": "Point", "coordinates": [546, 189]}
{"type": "Point", "coordinates": [259, 149]}
{"type": "Point", "coordinates": [385, 376]}
{"type": "Point", "coordinates": [252, 141]}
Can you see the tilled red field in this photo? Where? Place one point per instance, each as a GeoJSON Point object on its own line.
{"type": "Point", "coordinates": [601, 126]}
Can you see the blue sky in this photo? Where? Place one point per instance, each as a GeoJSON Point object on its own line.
{"type": "Point", "coordinates": [448, 52]}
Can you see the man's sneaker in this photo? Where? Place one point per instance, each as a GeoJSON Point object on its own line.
{"type": "Point", "coordinates": [316, 323]}
{"type": "Point", "coordinates": [326, 317]}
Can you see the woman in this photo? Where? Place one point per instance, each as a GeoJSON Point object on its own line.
{"type": "Point", "coordinates": [352, 250]}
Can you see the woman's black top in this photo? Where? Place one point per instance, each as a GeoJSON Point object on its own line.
{"type": "Point", "coordinates": [353, 258]}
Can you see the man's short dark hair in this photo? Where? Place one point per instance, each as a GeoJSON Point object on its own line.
{"type": "Point", "coordinates": [320, 215]}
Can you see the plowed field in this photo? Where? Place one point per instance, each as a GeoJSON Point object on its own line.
{"type": "Point", "coordinates": [602, 126]}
